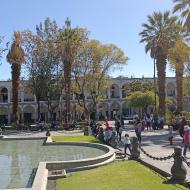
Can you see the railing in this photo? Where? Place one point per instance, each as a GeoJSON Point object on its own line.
{"type": "Point", "coordinates": [28, 100]}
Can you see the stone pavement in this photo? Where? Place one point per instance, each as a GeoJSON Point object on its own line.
{"type": "Point", "coordinates": [156, 144]}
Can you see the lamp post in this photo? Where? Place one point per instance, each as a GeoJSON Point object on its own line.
{"type": "Point", "coordinates": [155, 84]}
{"type": "Point", "coordinates": [154, 57]}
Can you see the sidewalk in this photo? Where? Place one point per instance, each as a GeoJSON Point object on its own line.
{"type": "Point", "coordinates": [156, 144]}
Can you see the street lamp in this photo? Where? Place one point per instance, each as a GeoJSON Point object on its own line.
{"type": "Point", "coordinates": [155, 85]}
{"type": "Point", "coordinates": [154, 55]}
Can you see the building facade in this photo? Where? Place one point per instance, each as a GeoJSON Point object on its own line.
{"type": "Point", "coordinates": [115, 102]}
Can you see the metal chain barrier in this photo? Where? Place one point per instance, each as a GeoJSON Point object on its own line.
{"type": "Point", "coordinates": [185, 160]}
{"type": "Point", "coordinates": [157, 158]}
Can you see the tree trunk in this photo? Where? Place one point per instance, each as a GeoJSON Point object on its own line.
{"type": "Point", "coordinates": [179, 82]}
{"type": "Point", "coordinates": [67, 60]}
{"type": "Point", "coordinates": [38, 104]}
{"type": "Point", "coordinates": [15, 86]}
{"type": "Point", "coordinates": [161, 69]}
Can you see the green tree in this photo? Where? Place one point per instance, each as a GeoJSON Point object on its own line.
{"type": "Point", "coordinates": [15, 57]}
{"type": "Point", "coordinates": [178, 55]}
{"type": "Point", "coordinates": [43, 69]}
{"type": "Point", "coordinates": [141, 100]}
{"type": "Point", "coordinates": [99, 60]}
{"type": "Point", "coordinates": [159, 34]}
{"type": "Point", "coordinates": [183, 6]}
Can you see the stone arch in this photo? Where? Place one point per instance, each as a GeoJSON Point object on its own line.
{"type": "Point", "coordinates": [28, 96]}
{"type": "Point", "coordinates": [170, 89]}
{"type": "Point", "coordinates": [126, 110]}
{"type": "Point", "coordinates": [114, 91]}
{"type": "Point", "coordinates": [29, 114]}
{"type": "Point", "coordinates": [3, 95]}
{"type": "Point", "coordinates": [4, 111]}
{"type": "Point", "coordinates": [115, 109]}
{"type": "Point", "coordinates": [43, 112]}
{"type": "Point", "coordinates": [103, 110]}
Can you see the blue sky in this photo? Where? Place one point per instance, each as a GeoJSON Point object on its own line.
{"type": "Point", "coordinates": [110, 21]}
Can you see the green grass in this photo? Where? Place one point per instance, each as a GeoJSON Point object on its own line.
{"type": "Point", "coordinates": [89, 139]}
{"type": "Point", "coordinates": [129, 175]}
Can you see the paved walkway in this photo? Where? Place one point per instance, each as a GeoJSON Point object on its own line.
{"type": "Point", "coordinates": [154, 142]}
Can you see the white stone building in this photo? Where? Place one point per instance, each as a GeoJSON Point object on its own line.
{"type": "Point", "coordinates": [114, 104]}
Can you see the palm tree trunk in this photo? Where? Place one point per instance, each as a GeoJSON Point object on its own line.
{"type": "Point", "coordinates": [179, 82]}
{"type": "Point", "coordinates": [15, 86]}
{"type": "Point", "coordinates": [161, 69]}
{"type": "Point", "coordinates": [67, 60]}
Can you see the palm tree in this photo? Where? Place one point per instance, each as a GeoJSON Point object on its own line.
{"type": "Point", "coordinates": [159, 34]}
{"type": "Point", "coordinates": [178, 55]}
{"type": "Point", "coordinates": [70, 40]}
{"type": "Point", "coordinates": [184, 7]}
{"type": "Point", "coordinates": [15, 57]}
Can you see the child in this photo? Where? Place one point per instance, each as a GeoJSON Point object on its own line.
{"type": "Point", "coordinates": [127, 143]}
{"type": "Point", "coordinates": [170, 135]}
{"type": "Point", "coordinates": [186, 139]}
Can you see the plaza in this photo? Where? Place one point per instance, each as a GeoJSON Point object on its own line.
{"type": "Point", "coordinates": [95, 95]}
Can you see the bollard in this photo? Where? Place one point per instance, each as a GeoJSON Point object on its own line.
{"type": "Point", "coordinates": [86, 131]}
{"type": "Point", "coordinates": [101, 135]}
{"type": "Point", "coordinates": [178, 170]}
{"type": "Point", "coordinates": [112, 141]}
{"type": "Point", "coordinates": [135, 152]}
{"type": "Point", "coordinates": [48, 133]}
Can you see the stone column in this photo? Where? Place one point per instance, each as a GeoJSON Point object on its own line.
{"type": "Point", "coordinates": [178, 170]}
{"type": "Point", "coordinates": [35, 113]}
{"type": "Point", "coordinates": [135, 152]}
{"type": "Point", "coordinates": [9, 95]}
{"type": "Point", "coordinates": [108, 90]}
{"type": "Point", "coordinates": [120, 91]}
{"type": "Point", "coordinates": [22, 95]}
{"type": "Point", "coordinates": [22, 115]}
{"type": "Point", "coordinates": [9, 113]}
{"type": "Point", "coordinates": [35, 99]}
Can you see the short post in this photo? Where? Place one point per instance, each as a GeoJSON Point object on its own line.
{"type": "Point", "coordinates": [178, 170]}
{"type": "Point", "coordinates": [48, 133]}
{"type": "Point", "coordinates": [112, 141]}
{"type": "Point", "coordinates": [86, 130]}
{"type": "Point", "coordinates": [135, 152]}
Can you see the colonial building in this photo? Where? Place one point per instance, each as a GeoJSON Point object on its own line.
{"type": "Point", "coordinates": [115, 102]}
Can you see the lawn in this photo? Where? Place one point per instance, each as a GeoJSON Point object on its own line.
{"type": "Point", "coordinates": [89, 139]}
{"type": "Point", "coordinates": [128, 175]}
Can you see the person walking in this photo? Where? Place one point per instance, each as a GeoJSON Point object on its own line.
{"type": "Point", "coordinates": [148, 122]}
{"type": "Point", "coordinates": [186, 139]}
{"type": "Point", "coordinates": [127, 143]}
{"type": "Point", "coordinates": [170, 135]}
{"type": "Point", "coordinates": [120, 132]}
{"type": "Point", "coordinates": [138, 130]}
{"type": "Point", "coordinates": [117, 126]}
